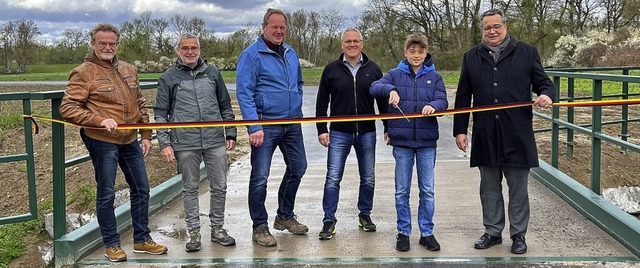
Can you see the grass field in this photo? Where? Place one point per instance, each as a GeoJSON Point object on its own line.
{"type": "Point", "coordinates": [60, 72]}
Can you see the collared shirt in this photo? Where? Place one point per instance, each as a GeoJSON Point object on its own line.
{"type": "Point", "coordinates": [354, 69]}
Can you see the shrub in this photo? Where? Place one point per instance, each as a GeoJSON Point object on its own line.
{"type": "Point", "coordinates": [306, 64]}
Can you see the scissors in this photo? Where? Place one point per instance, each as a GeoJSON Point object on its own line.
{"type": "Point", "coordinates": [405, 116]}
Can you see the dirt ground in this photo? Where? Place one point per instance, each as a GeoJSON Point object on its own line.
{"type": "Point", "coordinates": [619, 168]}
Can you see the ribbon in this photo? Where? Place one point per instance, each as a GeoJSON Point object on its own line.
{"type": "Point", "coordinates": [328, 119]}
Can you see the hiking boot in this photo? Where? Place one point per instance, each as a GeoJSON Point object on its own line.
{"type": "Point", "coordinates": [328, 230]}
{"type": "Point", "coordinates": [194, 242]}
{"type": "Point", "coordinates": [149, 247]}
{"type": "Point", "coordinates": [115, 253]}
{"type": "Point", "coordinates": [402, 243]}
{"type": "Point", "coordinates": [263, 237]}
{"type": "Point", "coordinates": [220, 235]}
{"type": "Point", "coordinates": [430, 243]}
{"type": "Point", "coordinates": [364, 221]}
{"type": "Point", "coordinates": [292, 225]}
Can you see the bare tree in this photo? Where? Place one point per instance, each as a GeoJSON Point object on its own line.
{"type": "Point", "coordinates": [25, 42]}
{"type": "Point", "coordinates": [8, 39]}
{"type": "Point", "coordinates": [74, 43]}
{"type": "Point", "coordinates": [159, 28]}
{"type": "Point", "coordinates": [331, 21]}
{"type": "Point", "coordinates": [179, 23]}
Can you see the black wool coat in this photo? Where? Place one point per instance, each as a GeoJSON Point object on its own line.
{"type": "Point", "coordinates": [501, 138]}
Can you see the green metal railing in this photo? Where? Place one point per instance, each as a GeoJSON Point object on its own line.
{"type": "Point", "coordinates": [27, 156]}
{"type": "Point", "coordinates": [620, 225]}
{"type": "Point", "coordinates": [72, 246]}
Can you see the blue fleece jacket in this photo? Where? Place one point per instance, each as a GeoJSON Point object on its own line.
{"type": "Point", "coordinates": [268, 86]}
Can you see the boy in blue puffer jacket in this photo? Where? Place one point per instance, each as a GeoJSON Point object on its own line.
{"type": "Point", "coordinates": [414, 86]}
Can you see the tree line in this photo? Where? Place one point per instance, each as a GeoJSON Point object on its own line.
{"type": "Point", "coordinates": [453, 26]}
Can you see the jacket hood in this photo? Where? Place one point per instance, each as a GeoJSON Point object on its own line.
{"type": "Point", "coordinates": [427, 66]}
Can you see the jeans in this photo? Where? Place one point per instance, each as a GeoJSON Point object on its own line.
{"type": "Point", "coordinates": [106, 157]}
{"type": "Point", "coordinates": [289, 139]}
{"type": "Point", "coordinates": [426, 160]}
{"type": "Point", "coordinates": [339, 148]}
{"type": "Point", "coordinates": [216, 164]}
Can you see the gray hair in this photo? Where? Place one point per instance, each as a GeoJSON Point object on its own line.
{"type": "Point", "coordinates": [494, 11]}
{"type": "Point", "coordinates": [186, 36]}
{"type": "Point", "coordinates": [351, 30]}
{"type": "Point", "coordinates": [270, 12]}
{"type": "Point", "coordinates": [104, 27]}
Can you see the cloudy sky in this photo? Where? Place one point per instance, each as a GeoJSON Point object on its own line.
{"type": "Point", "coordinates": [224, 16]}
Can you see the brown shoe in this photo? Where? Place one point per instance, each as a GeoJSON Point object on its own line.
{"type": "Point", "coordinates": [292, 225]}
{"type": "Point", "coordinates": [263, 237]}
{"type": "Point", "coordinates": [149, 247]}
{"type": "Point", "coordinates": [115, 253]}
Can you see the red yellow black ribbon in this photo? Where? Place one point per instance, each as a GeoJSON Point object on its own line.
{"type": "Point", "coordinates": [333, 118]}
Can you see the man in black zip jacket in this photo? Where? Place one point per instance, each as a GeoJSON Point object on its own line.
{"type": "Point", "coordinates": [344, 86]}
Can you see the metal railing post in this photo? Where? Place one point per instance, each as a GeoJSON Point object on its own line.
{"type": "Point", "coordinates": [596, 143]}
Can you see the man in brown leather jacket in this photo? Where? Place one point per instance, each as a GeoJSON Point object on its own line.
{"type": "Point", "coordinates": [103, 92]}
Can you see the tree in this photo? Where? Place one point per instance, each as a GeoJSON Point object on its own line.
{"type": "Point", "coordinates": [25, 43]}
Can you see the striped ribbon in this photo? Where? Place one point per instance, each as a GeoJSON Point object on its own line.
{"type": "Point", "coordinates": [332, 118]}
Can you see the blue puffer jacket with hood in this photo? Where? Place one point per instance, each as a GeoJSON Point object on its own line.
{"type": "Point", "coordinates": [415, 90]}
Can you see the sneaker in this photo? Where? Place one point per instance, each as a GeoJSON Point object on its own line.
{"type": "Point", "coordinates": [149, 247]}
{"type": "Point", "coordinates": [430, 243]}
{"type": "Point", "coordinates": [220, 235]}
{"type": "Point", "coordinates": [402, 243]}
{"type": "Point", "coordinates": [328, 230]}
{"type": "Point", "coordinates": [263, 237]}
{"type": "Point", "coordinates": [292, 225]}
{"type": "Point", "coordinates": [194, 242]}
{"type": "Point", "coordinates": [364, 221]}
{"type": "Point", "coordinates": [115, 253]}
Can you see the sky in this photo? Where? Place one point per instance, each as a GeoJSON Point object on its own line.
{"type": "Point", "coordinates": [224, 16]}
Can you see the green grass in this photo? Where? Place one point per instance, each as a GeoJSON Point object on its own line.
{"type": "Point", "coordinates": [60, 72]}
{"type": "Point", "coordinates": [11, 244]}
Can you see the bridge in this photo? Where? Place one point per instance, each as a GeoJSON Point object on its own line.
{"type": "Point", "coordinates": [571, 225]}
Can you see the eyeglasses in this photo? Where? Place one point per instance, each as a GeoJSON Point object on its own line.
{"type": "Point", "coordinates": [355, 42]}
{"type": "Point", "coordinates": [187, 49]}
{"type": "Point", "coordinates": [105, 44]}
{"type": "Point", "coordinates": [495, 27]}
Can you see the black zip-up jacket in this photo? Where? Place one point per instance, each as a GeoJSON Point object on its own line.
{"type": "Point", "coordinates": [348, 95]}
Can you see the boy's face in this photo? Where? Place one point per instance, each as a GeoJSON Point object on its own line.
{"type": "Point", "coordinates": [415, 55]}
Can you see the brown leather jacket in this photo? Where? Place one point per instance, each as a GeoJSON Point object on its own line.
{"type": "Point", "coordinates": [99, 90]}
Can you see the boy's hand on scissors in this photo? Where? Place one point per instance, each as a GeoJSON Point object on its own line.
{"type": "Point", "coordinates": [394, 98]}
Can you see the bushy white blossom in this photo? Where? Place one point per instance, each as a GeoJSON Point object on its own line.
{"type": "Point", "coordinates": [306, 64]}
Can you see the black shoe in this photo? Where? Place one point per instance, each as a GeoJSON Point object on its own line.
{"type": "Point", "coordinates": [487, 241]}
{"type": "Point", "coordinates": [402, 243]}
{"type": "Point", "coordinates": [328, 230]}
{"type": "Point", "coordinates": [430, 243]}
{"type": "Point", "coordinates": [364, 221]}
{"type": "Point", "coordinates": [518, 246]}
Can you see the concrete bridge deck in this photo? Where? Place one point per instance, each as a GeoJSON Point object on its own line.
{"type": "Point", "coordinates": [558, 235]}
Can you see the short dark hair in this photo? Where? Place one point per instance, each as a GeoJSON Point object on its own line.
{"type": "Point", "coordinates": [494, 11]}
{"type": "Point", "coordinates": [270, 12]}
{"type": "Point", "coordinates": [104, 27]}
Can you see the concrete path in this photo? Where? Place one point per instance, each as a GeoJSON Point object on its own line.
{"type": "Point", "coordinates": [558, 236]}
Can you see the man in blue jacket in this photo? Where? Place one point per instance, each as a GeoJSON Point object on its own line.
{"type": "Point", "coordinates": [269, 86]}
{"type": "Point", "coordinates": [344, 86]}
{"type": "Point", "coordinates": [501, 70]}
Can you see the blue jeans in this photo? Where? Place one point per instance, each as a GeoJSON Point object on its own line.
{"type": "Point", "coordinates": [289, 139]}
{"type": "Point", "coordinates": [339, 148]}
{"type": "Point", "coordinates": [426, 160]}
{"type": "Point", "coordinates": [106, 157]}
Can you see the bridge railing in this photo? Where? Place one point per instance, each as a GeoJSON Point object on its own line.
{"type": "Point", "coordinates": [587, 200]}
